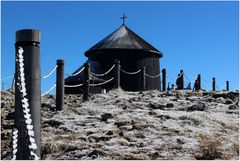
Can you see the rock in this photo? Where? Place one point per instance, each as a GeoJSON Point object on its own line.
{"type": "Point", "coordinates": [139, 135]}
{"type": "Point", "coordinates": [121, 123]}
{"type": "Point", "coordinates": [53, 123]}
{"type": "Point", "coordinates": [184, 118]}
{"type": "Point", "coordinates": [109, 132]}
{"type": "Point", "coordinates": [156, 106]}
{"type": "Point", "coordinates": [152, 113]}
{"type": "Point", "coordinates": [165, 117]}
{"type": "Point", "coordinates": [121, 133]}
{"type": "Point", "coordinates": [169, 105]}
{"type": "Point", "coordinates": [2, 104]}
{"type": "Point", "coordinates": [106, 116]}
{"type": "Point", "coordinates": [220, 100]}
{"type": "Point", "coordinates": [232, 107]}
{"type": "Point", "coordinates": [154, 155]}
{"type": "Point", "coordinates": [179, 141]}
{"type": "Point", "coordinates": [228, 101]}
{"type": "Point", "coordinates": [96, 153]}
{"type": "Point", "coordinates": [197, 107]}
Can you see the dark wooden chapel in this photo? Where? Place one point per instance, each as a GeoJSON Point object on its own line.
{"type": "Point", "coordinates": [131, 50]}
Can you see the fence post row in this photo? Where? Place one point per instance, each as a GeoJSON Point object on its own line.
{"type": "Point", "coordinates": [213, 84]}
{"type": "Point", "coordinates": [164, 79]}
{"type": "Point", "coordinates": [143, 79]}
{"type": "Point", "coordinates": [60, 85]}
{"type": "Point", "coordinates": [86, 81]}
{"type": "Point", "coordinates": [117, 74]}
{"type": "Point", "coordinates": [29, 41]}
{"type": "Point", "coordinates": [227, 85]}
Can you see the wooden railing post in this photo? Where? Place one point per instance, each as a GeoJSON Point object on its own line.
{"type": "Point", "coordinates": [143, 79]}
{"type": "Point", "coordinates": [86, 81]}
{"type": "Point", "coordinates": [60, 85]}
{"type": "Point", "coordinates": [117, 74]}
{"type": "Point", "coordinates": [227, 85]}
{"type": "Point", "coordinates": [164, 79]}
{"type": "Point", "coordinates": [213, 84]}
{"type": "Point", "coordinates": [28, 41]}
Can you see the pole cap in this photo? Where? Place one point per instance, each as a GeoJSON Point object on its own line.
{"type": "Point", "coordinates": [60, 62]}
{"type": "Point", "coordinates": [29, 35]}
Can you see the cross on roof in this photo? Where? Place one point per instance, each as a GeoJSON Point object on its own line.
{"type": "Point", "coordinates": [123, 18]}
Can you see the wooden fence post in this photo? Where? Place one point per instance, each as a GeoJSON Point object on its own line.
{"type": "Point", "coordinates": [117, 74]}
{"type": "Point", "coordinates": [143, 79]}
{"type": "Point", "coordinates": [86, 82]}
{"type": "Point", "coordinates": [213, 84]}
{"type": "Point", "coordinates": [29, 41]}
{"type": "Point", "coordinates": [60, 85]}
{"type": "Point", "coordinates": [164, 79]}
{"type": "Point", "coordinates": [227, 85]}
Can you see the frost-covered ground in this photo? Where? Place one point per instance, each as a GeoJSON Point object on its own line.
{"type": "Point", "coordinates": [123, 125]}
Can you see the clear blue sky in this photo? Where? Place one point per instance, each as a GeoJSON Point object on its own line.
{"type": "Point", "coordinates": [198, 37]}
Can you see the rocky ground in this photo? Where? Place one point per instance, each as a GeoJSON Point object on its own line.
{"type": "Point", "coordinates": [123, 125]}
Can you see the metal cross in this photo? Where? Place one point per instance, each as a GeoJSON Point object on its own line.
{"type": "Point", "coordinates": [123, 18]}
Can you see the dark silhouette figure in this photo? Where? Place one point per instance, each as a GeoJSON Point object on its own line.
{"type": "Point", "coordinates": [168, 88]}
{"type": "Point", "coordinates": [196, 85]}
{"type": "Point", "coordinates": [178, 82]}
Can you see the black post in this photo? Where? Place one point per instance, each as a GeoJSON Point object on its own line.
{"type": "Point", "coordinates": [60, 85]}
{"type": "Point", "coordinates": [164, 79]}
{"type": "Point", "coordinates": [213, 84]}
{"type": "Point", "coordinates": [227, 85]}
{"type": "Point", "coordinates": [181, 80]}
{"type": "Point", "coordinates": [86, 82]}
{"type": "Point", "coordinates": [117, 74]}
{"type": "Point", "coordinates": [143, 79]}
{"type": "Point", "coordinates": [29, 41]}
{"type": "Point", "coordinates": [199, 82]}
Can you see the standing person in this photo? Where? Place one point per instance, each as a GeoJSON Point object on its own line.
{"type": "Point", "coordinates": [168, 88]}
{"type": "Point", "coordinates": [196, 85]}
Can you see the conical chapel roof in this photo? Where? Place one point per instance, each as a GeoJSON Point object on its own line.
{"type": "Point", "coordinates": [123, 38]}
